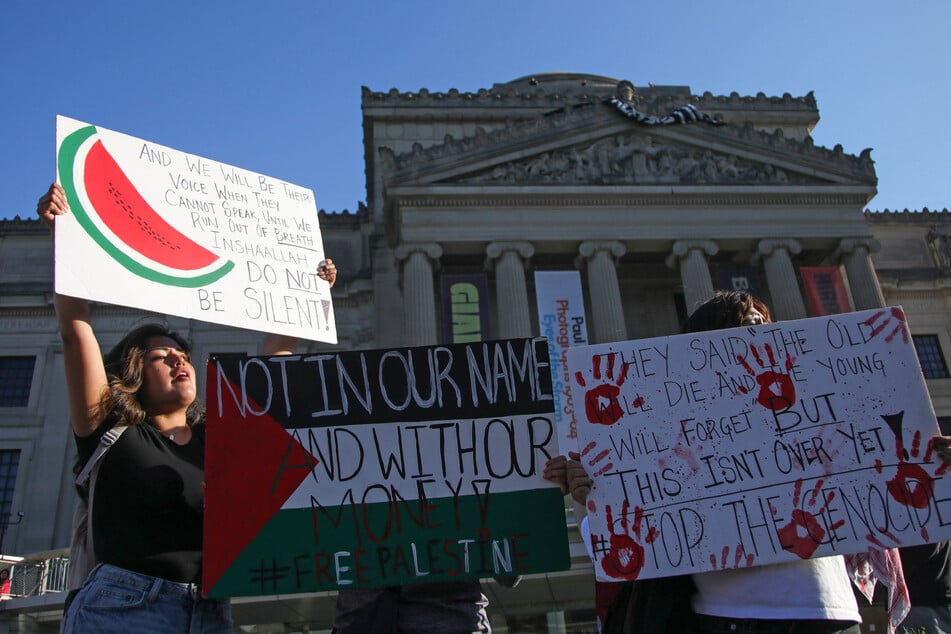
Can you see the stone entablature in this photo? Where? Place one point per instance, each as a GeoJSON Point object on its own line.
{"type": "Point", "coordinates": [522, 93]}
{"type": "Point", "coordinates": [399, 166]}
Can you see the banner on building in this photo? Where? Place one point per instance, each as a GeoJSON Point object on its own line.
{"type": "Point", "coordinates": [739, 278]}
{"type": "Point", "coordinates": [465, 307]}
{"type": "Point", "coordinates": [758, 445]}
{"type": "Point", "coordinates": [561, 319]}
{"type": "Point", "coordinates": [380, 468]}
{"type": "Point", "coordinates": [162, 230]}
{"type": "Point", "coordinates": [825, 290]}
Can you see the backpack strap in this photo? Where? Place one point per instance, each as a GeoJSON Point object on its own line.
{"type": "Point", "coordinates": [82, 555]}
{"type": "Point", "coordinates": [108, 439]}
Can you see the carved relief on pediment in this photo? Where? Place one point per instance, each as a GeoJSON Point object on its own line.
{"type": "Point", "coordinates": [633, 160]}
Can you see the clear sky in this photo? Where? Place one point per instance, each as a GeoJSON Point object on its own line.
{"type": "Point", "coordinates": [274, 87]}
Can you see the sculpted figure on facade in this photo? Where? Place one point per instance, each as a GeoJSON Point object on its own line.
{"type": "Point", "coordinates": [626, 92]}
{"type": "Point", "coordinates": [631, 159]}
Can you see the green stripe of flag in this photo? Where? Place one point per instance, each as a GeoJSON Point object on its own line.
{"type": "Point", "coordinates": [380, 544]}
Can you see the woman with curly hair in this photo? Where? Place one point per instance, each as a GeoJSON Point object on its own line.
{"type": "Point", "coordinates": [147, 519]}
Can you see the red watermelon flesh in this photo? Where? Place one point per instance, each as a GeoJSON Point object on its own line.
{"type": "Point", "coordinates": [122, 209]}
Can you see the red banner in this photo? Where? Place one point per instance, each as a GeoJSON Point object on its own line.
{"type": "Point", "coordinates": [825, 290]}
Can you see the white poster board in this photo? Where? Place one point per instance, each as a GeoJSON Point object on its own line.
{"type": "Point", "coordinates": [156, 228]}
{"type": "Point", "coordinates": [758, 445]}
{"type": "Point", "coordinates": [562, 321]}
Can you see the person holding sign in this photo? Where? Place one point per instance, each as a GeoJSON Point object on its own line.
{"type": "Point", "coordinates": [147, 519]}
{"type": "Point", "coordinates": [928, 574]}
{"type": "Point", "coordinates": [811, 596]}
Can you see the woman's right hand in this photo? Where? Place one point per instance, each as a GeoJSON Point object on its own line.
{"type": "Point", "coordinates": [942, 447]}
{"type": "Point", "coordinates": [579, 482]}
{"type": "Point", "coordinates": [51, 204]}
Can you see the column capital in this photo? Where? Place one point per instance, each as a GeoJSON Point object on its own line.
{"type": "Point", "coordinates": [430, 249]}
{"type": "Point", "coordinates": [589, 247]}
{"type": "Point", "coordinates": [681, 248]}
{"type": "Point", "coordinates": [768, 246]}
{"type": "Point", "coordinates": [495, 250]}
{"type": "Point", "coordinates": [849, 246]}
{"type": "Point", "coordinates": [522, 249]}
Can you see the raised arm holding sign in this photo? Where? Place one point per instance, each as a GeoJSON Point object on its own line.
{"type": "Point", "coordinates": [146, 524]}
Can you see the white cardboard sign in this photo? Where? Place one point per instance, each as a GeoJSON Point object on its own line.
{"type": "Point", "coordinates": [757, 445]}
{"type": "Point", "coordinates": [163, 230]}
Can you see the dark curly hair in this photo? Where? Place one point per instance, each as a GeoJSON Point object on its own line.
{"type": "Point", "coordinates": [725, 309]}
{"type": "Point", "coordinates": [124, 372]}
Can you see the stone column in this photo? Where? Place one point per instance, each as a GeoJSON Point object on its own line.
{"type": "Point", "coordinates": [691, 257]}
{"type": "Point", "coordinates": [419, 299]}
{"type": "Point", "coordinates": [781, 276]}
{"type": "Point", "coordinates": [509, 259]}
{"type": "Point", "coordinates": [857, 257]}
{"type": "Point", "coordinates": [607, 311]}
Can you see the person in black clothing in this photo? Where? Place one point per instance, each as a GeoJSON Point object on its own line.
{"type": "Point", "coordinates": [147, 516]}
{"type": "Point", "coordinates": [928, 575]}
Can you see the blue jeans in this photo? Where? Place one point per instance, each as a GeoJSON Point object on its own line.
{"type": "Point", "coordinates": [117, 600]}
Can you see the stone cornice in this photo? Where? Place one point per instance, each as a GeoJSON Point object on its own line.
{"type": "Point", "coordinates": [925, 216]}
{"type": "Point", "coordinates": [22, 226]}
{"type": "Point", "coordinates": [600, 197]}
{"type": "Point", "coordinates": [516, 95]}
{"type": "Point", "coordinates": [408, 165]}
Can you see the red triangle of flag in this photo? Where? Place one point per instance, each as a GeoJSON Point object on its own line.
{"type": "Point", "coordinates": [246, 474]}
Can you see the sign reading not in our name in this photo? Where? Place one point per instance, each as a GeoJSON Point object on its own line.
{"type": "Point", "coordinates": [380, 467]}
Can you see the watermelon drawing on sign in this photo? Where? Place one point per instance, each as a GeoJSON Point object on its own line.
{"type": "Point", "coordinates": [114, 202]}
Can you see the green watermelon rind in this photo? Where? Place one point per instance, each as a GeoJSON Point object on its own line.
{"type": "Point", "coordinates": [67, 159]}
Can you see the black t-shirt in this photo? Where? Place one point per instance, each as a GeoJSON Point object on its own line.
{"type": "Point", "coordinates": [147, 510]}
{"type": "Point", "coordinates": [928, 573]}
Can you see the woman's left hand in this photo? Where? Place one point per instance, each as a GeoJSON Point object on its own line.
{"type": "Point", "coordinates": [327, 271]}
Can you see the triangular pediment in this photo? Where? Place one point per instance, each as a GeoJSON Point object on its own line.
{"type": "Point", "coordinates": [595, 145]}
{"type": "Point", "coordinates": [636, 159]}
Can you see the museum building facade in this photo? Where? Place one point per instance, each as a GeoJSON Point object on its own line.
{"type": "Point", "coordinates": [656, 196]}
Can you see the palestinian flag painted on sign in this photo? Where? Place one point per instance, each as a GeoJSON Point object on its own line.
{"type": "Point", "coordinates": [380, 467]}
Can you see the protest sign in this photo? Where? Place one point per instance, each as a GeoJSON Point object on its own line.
{"type": "Point", "coordinates": [758, 445]}
{"type": "Point", "coordinates": [380, 467]}
{"type": "Point", "coordinates": [561, 320]}
{"type": "Point", "coordinates": [156, 228]}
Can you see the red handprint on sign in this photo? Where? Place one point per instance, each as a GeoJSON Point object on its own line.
{"type": "Point", "coordinates": [803, 534]}
{"type": "Point", "coordinates": [601, 406]}
{"type": "Point", "coordinates": [741, 557]}
{"type": "Point", "coordinates": [911, 485]}
{"type": "Point", "coordinates": [596, 460]}
{"type": "Point", "coordinates": [776, 389]}
{"type": "Point", "coordinates": [884, 319]}
{"type": "Point", "coordinates": [625, 557]}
